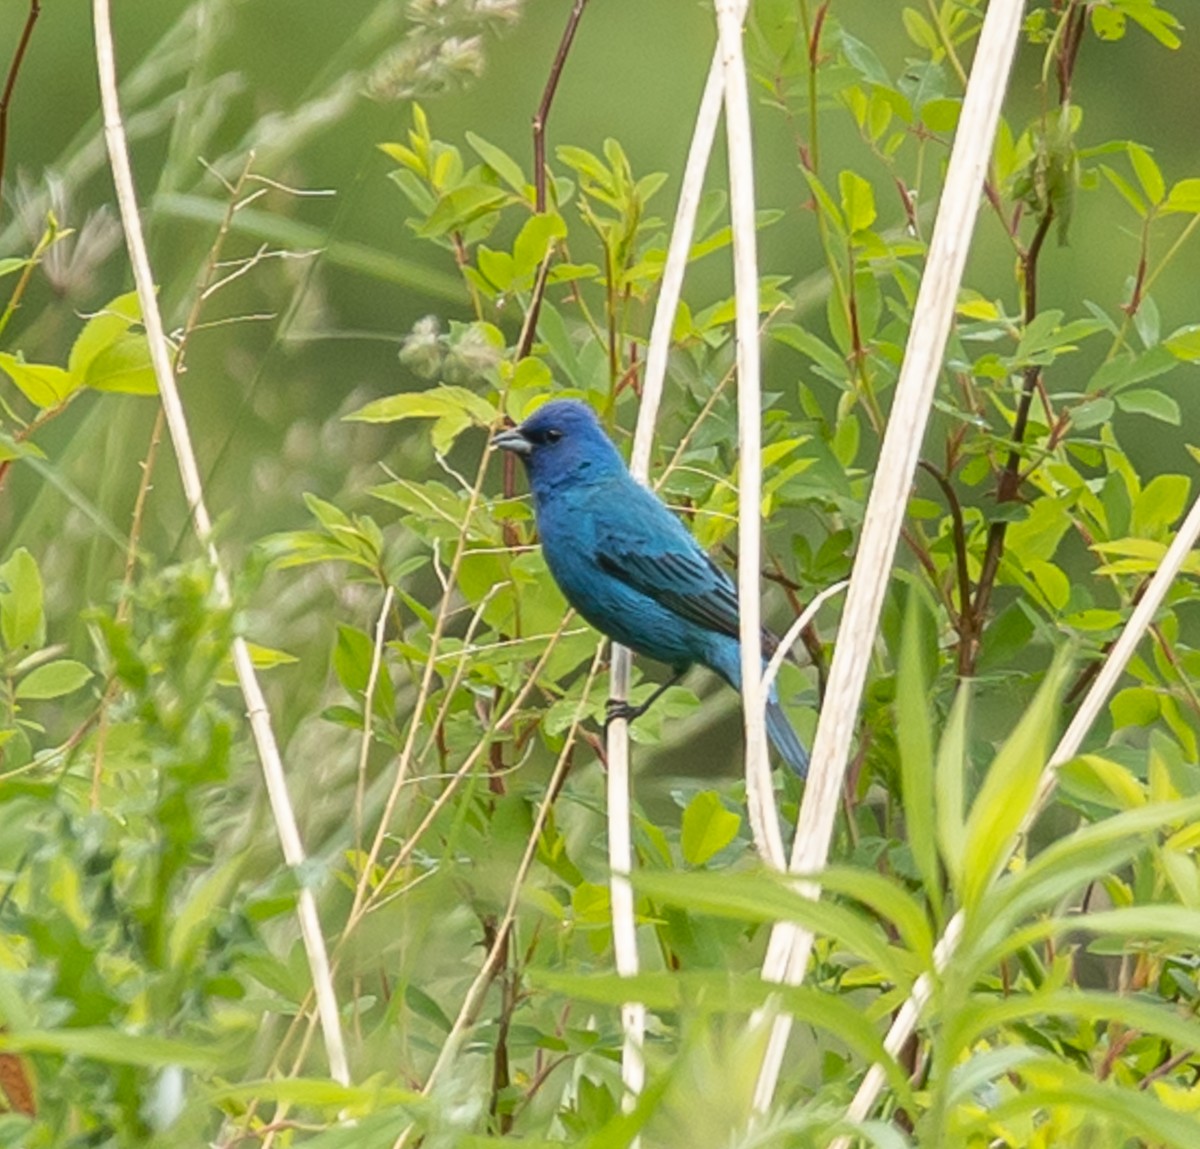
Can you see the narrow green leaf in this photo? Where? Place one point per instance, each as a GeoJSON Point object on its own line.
{"type": "Point", "coordinates": [991, 1013]}
{"type": "Point", "coordinates": [1147, 173]}
{"type": "Point", "coordinates": [1049, 1082]}
{"type": "Point", "coordinates": [195, 920]}
{"type": "Point", "coordinates": [318, 1092]}
{"type": "Point", "coordinates": [1128, 192]}
{"type": "Point", "coordinates": [1009, 789]}
{"type": "Point", "coordinates": [115, 1046]}
{"type": "Point", "coordinates": [804, 341]}
{"type": "Point", "coordinates": [719, 992]}
{"type": "Point", "coordinates": [951, 786]}
{"type": "Point", "coordinates": [749, 898]}
{"type": "Point", "coordinates": [889, 899]}
{"type": "Point", "coordinates": [424, 1006]}
{"type": "Point", "coordinates": [914, 736]}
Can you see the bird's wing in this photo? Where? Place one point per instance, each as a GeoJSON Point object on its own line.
{"type": "Point", "coordinates": [684, 581]}
{"type": "Point", "coordinates": [660, 559]}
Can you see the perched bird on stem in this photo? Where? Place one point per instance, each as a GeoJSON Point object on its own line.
{"type": "Point", "coordinates": [627, 564]}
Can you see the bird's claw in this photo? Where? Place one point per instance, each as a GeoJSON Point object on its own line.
{"type": "Point", "coordinates": [616, 708]}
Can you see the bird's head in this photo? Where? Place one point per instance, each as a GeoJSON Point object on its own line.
{"type": "Point", "coordinates": [562, 442]}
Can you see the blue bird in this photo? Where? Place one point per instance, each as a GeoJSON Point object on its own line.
{"type": "Point", "coordinates": [627, 564]}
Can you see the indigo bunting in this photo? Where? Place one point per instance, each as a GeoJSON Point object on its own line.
{"type": "Point", "coordinates": [627, 564]}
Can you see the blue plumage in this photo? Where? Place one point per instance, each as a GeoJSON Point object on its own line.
{"type": "Point", "coordinates": [625, 562]}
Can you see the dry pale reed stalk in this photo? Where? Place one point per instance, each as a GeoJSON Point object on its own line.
{"type": "Point", "coordinates": [760, 796]}
{"type": "Point", "coordinates": [790, 945]}
{"type": "Point", "coordinates": [189, 473]}
{"type": "Point", "coordinates": [619, 797]}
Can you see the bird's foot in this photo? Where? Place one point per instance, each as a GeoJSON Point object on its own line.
{"type": "Point", "coordinates": [616, 708]}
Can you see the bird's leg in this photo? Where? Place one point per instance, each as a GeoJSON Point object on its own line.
{"type": "Point", "coordinates": [615, 708]}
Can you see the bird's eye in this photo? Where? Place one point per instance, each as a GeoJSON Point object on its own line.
{"type": "Point", "coordinates": [553, 435]}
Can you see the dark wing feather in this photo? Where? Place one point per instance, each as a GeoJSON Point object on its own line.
{"type": "Point", "coordinates": [684, 580]}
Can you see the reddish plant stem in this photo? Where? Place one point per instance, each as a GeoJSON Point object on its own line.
{"type": "Point", "coordinates": [10, 83]}
{"type": "Point", "coordinates": [965, 614]}
{"type": "Point", "coordinates": [543, 111]}
{"type": "Point", "coordinates": [1010, 478]}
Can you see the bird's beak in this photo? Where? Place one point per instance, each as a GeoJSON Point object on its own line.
{"type": "Point", "coordinates": [511, 439]}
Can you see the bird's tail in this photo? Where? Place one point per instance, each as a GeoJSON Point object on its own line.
{"type": "Point", "coordinates": [725, 659]}
{"type": "Point", "coordinates": [784, 739]}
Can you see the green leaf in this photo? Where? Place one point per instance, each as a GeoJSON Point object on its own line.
{"type": "Point", "coordinates": [1102, 781]}
{"type": "Point", "coordinates": [460, 207]}
{"type": "Point", "coordinates": [22, 623]}
{"type": "Point", "coordinates": [748, 898]}
{"type": "Point", "coordinates": [318, 1092]}
{"type": "Point", "coordinates": [534, 241]}
{"type": "Point", "coordinates": [858, 200]}
{"type": "Point", "coordinates": [707, 828]}
{"type": "Point", "coordinates": [102, 330]}
{"type": "Point", "coordinates": [1049, 1084]}
{"type": "Point", "coordinates": [194, 921]}
{"type": "Point", "coordinates": [1146, 401]}
{"type": "Point", "coordinates": [53, 679]}
{"type": "Point", "coordinates": [43, 384]}
{"type": "Point", "coordinates": [1107, 23]}
{"type": "Point", "coordinates": [123, 366]}
{"type": "Point", "coordinates": [1160, 23]}
{"type": "Point", "coordinates": [432, 404]}
{"type": "Point", "coordinates": [716, 992]}
{"type": "Point", "coordinates": [1184, 197]}
{"type": "Point", "coordinates": [1130, 195]}
{"type": "Point", "coordinates": [1160, 503]}
{"type": "Point", "coordinates": [1185, 343]}
{"type": "Point", "coordinates": [424, 1006]}
{"type": "Point", "coordinates": [115, 1046]}
{"type": "Point", "coordinates": [1068, 864]}
{"type": "Point", "coordinates": [1007, 794]}
{"type": "Point", "coordinates": [951, 786]}
{"type": "Point", "coordinates": [815, 348]}
{"type": "Point", "coordinates": [914, 736]}
{"type": "Point", "coordinates": [890, 900]}
{"type": "Point", "coordinates": [1147, 173]}
{"type": "Point", "coordinates": [500, 162]}
{"type": "Point", "coordinates": [1128, 370]}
